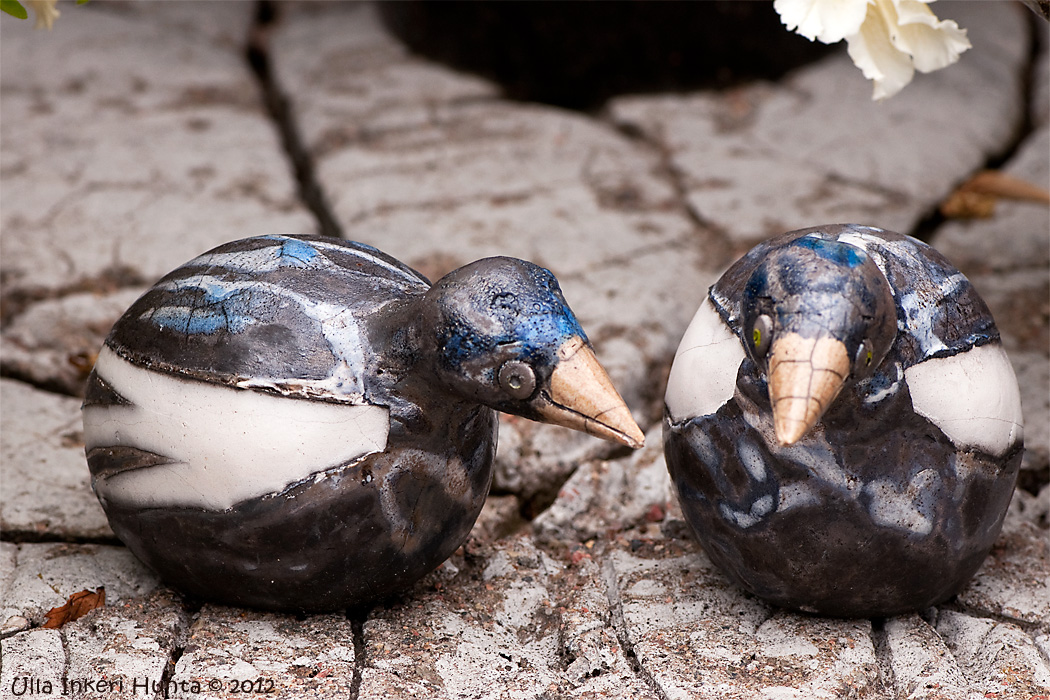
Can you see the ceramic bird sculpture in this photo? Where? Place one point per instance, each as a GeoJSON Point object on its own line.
{"type": "Point", "coordinates": [302, 423]}
{"type": "Point", "coordinates": [842, 425]}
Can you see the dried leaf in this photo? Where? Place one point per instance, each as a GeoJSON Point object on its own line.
{"type": "Point", "coordinates": [976, 198]}
{"type": "Point", "coordinates": [78, 605]}
{"type": "Point", "coordinates": [999, 184]}
{"type": "Point", "coordinates": [968, 205]}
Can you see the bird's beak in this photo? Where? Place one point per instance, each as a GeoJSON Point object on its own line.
{"type": "Point", "coordinates": [582, 397]}
{"type": "Point", "coordinates": [805, 376]}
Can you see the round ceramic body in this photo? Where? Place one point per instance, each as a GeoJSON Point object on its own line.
{"type": "Point", "coordinates": [249, 443]}
{"type": "Point", "coordinates": [893, 499]}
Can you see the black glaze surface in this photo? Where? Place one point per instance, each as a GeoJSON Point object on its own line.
{"type": "Point", "coordinates": [308, 319]}
{"type": "Point", "coordinates": [327, 545]}
{"type": "Point", "coordinates": [795, 525]}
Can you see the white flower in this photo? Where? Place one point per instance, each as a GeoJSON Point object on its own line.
{"type": "Point", "coordinates": [888, 39]}
{"type": "Point", "coordinates": [45, 11]}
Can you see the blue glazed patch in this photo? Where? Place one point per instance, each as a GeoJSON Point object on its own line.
{"type": "Point", "coordinates": [840, 253]}
{"type": "Point", "coordinates": [548, 331]}
{"type": "Point", "coordinates": [537, 336]}
{"type": "Point", "coordinates": [550, 321]}
{"type": "Point", "coordinates": [199, 321]}
{"type": "Point", "coordinates": [219, 294]}
{"type": "Point", "coordinates": [296, 253]}
{"type": "Point", "coordinates": [220, 308]}
{"type": "Point", "coordinates": [536, 319]}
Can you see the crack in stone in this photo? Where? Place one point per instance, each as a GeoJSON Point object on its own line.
{"type": "Point", "coordinates": [65, 654]}
{"type": "Point", "coordinates": [34, 537]}
{"type": "Point", "coordinates": [115, 277]}
{"type": "Point", "coordinates": [619, 627]}
{"type": "Point", "coordinates": [880, 641]}
{"type": "Point", "coordinates": [928, 225]}
{"type": "Point", "coordinates": [357, 623]}
{"type": "Point", "coordinates": [282, 113]}
{"type": "Point", "coordinates": [179, 645]}
{"type": "Point", "coordinates": [717, 247]}
{"type": "Point", "coordinates": [1029, 628]}
{"type": "Point", "coordinates": [178, 648]}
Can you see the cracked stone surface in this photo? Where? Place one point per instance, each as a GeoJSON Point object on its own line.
{"type": "Point", "coordinates": [762, 136]}
{"type": "Point", "coordinates": [105, 155]}
{"type": "Point", "coordinates": [580, 579]}
{"type": "Point", "coordinates": [230, 652]}
{"type": "Point", "coordinates": [43, 453]}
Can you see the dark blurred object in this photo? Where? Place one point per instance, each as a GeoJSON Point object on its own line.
{"type": "Point", "coordinates": [1040, 7]}
{"type": "Point", "coordinates": [577, 53]}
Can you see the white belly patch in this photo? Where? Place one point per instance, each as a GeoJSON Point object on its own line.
{"type": "Point", "coordinates": [226, 445]}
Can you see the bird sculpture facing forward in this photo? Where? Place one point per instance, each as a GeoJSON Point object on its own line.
{"type": "Point", "coordinates": [301, 423]}
{"type": "Point", "coordinates": [842, 425]}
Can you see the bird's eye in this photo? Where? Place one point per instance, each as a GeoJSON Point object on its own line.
{"type": "Point", "coordinates": [517, 379]}
{"type": "Point", "coordinates": [761, 335]}
{"type": "Point", "coordinates": [862, 363]}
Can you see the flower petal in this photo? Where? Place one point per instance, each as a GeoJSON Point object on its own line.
{"type": "Point", "coordinates": [46, 13]}
{"type": "Point", "coordinates": [872, 50]}
{"type": "Point", "coordinates": [932, 43]}
{"type": "Point", "coordinates": [829, 21]}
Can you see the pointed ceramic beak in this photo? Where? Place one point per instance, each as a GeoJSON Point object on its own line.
{"type": "Point", "coordinates": [805, 376]}
{"type": "Point", "coordinates": [583, 398]}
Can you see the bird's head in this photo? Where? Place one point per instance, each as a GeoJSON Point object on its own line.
{"type": "Point", "coordinates": [508, 340]}
{"type": "Point", "coordinates": [817, 315]}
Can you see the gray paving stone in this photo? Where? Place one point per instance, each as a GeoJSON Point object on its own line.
{"type": "Point", "coordinates": [123, 649]}
{"type": "Point", "coordinates": [46, 483]}
{"type": "Point", "coordinates": [363, 78]}
{"type": "Point", "coordinates": [765, 159]}
{"type": "Point", "coordinates": [923, 668]}
{"type": "Point", "coordinates": [603, 497]}
{"type": "Point", "coordinates": [594, 656]}
{"type": "Point", "coordinates": [46, 575]}
{"type": "Point", "coordinates": [231, 652]}
{"type": "Point", "coordinates": [8, 556]}
{"type": "Point", "coordinates": [1014, 581]}
{"type": "Point", "coordinates": [117, 170]}
{"type": "Point", "coordinates": [33, 663]}
{"type": "Point", "coordinates": [502, 621]}
{"type": "Point", "coordinates": [701, 638]}
{"type": "Point", "coordinates": [53, 343]}
{"type": "Point", "coordinates": [997, 658]}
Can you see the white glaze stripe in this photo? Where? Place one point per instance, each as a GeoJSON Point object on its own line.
{"type": "Point", "coordinates": [266, 259]}
{"type": "Point", "coordinates": [703, 375]}
{"type": "Point", "coordinates": [972, 396]}
{"type": "Point", "coordinates": [228, 444]}
{"type": "Point", "coordinates": [386, 265]}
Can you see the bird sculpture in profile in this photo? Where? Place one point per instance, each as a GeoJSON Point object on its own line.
{"type": "Point", "coordinates": [302, 423]}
